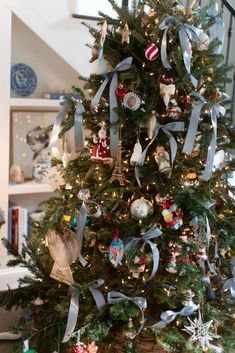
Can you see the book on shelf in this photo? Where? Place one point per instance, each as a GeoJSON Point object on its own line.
{"type": "Point", "coordinates": [17, 227]}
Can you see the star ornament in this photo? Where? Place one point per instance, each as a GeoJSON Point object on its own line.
{"type": "Point", "coordinates": [200, 332]}
{"type": "Point", "coordinates": [125, 33]}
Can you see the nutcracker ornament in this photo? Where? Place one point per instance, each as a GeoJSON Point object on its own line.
{"type": "Point", "coordinates": [100, 152]}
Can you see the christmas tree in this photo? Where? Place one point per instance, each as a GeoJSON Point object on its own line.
{"type": "Point", "coordinates": [135, 250]}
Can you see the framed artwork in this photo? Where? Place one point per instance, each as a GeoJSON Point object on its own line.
{"type": "Point", "coordinates": [28, 137]}
{"type": "Point", "coordinates": [89, 9]}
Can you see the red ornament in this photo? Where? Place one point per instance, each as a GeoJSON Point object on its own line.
{"type": "Point", "coordinates": [186, 101]}
{"type": "Point", "coordinates": [152, 52]}
{"type": "Point", "coordinates": [79, 348]}
{"type": "Point", "coordinates": [120, 93]}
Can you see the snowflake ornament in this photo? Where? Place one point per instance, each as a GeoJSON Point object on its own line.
{"type": "Point", "coordinates": [54, 177]}
{"type": "Point", "coordinates": [199, 332]}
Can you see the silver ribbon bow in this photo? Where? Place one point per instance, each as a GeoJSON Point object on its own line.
{"type": "Point", "coordinates": [216, 110]}
{"type": "Point", "coordinates": [78, 126]}
{"type": "Point", "coordinates": [168, 316]}
{"type": "Point", "coordinates": [81, 217]}
{"type": "Point", "coordinates": [167, 128]}
{"type": "Point", "coordinates": [149, 235]}
{"type": "Point", "coordinates": [187, 33]}
{"type": "Point", "coordinates": [140, 302]}
{"type": "Point", "coordinates": [74, 305]}
{"type": "Point", "coordinates": [114, 134]}
{"type": "Point", "coordinates": [229, 284]}
{"type": "Point", "coordinates": [216, 31]}
{"type": "Point", "coordinates": [57, 125]}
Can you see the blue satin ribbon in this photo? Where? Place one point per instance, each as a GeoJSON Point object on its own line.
{"type": "Point", "coordinates": [229, 284]}
{"type": "Point", "coordinates": [57, 125]}
{"type": "Point", "coordinates": [187, 34]}
{"type": "Point", "coordinates": [168, 316]}
{"type": "Point", "coordinates": [167, 128]}
{"type": "Point", "coordinates": [217, 30]}
{"type": "Point", "coordinates": [149, 235]}
{"type": "Point", "coordinates": [81, 218]}
{"type": "Point", "coordinates": [74, 305]}
{"type": "Point", "coordinates": [216, 110]}
{"type": "Point", "coordinates": [78, 126]}
{"type": "Point", "coordinates": [114, 133]}
{"type": "Point", "coordinates": [140, 302]}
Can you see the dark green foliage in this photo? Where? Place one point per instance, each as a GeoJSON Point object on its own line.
{"type": "Point", "coordinates": [198, 199]}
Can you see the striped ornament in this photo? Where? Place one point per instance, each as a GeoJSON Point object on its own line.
{"type": "Point", "coordinates": [152, 52]}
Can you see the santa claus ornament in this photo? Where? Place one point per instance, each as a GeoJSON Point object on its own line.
{"type": "Point", "coordinates": [172, 215]}
{"type": "Point", "coordinates": [100, 152]}
{"type": "Point", "coordinates": [152, 52]}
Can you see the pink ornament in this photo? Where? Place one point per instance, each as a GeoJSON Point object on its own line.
{"type": "Point", "coordinates": [152, 52]}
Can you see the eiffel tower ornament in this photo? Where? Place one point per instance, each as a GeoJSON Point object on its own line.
{"type": "Point", "coordinates": [118, 172]}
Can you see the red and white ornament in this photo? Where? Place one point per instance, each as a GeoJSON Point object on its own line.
{"type": "Point", "coordinates": [152, 52]}
{"type": "Point", "coordinates": [172, 215]}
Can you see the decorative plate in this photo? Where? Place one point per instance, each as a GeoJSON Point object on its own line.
{"type": "Point", "coordinates": [23, 80]}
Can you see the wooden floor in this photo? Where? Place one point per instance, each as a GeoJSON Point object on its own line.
{"type": "Point", "coordinates": [7, 319]}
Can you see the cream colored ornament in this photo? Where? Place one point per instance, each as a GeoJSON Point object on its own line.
{"type": "Point", "coordinates": [151, 124]}
{"type": "Point", "coordinates": [141, 208]}
{"type": "Point", "coordinates": [203, 42]}
{"type": "Point", "coordinates": [136, 153]}
{"type": "Point", "coordinates": [125, 33]}
{"type": "Point", "coordinates": [65, 156]}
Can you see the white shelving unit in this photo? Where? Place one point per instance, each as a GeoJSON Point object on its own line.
{"type": "Point", "coordinates": [30, 193]}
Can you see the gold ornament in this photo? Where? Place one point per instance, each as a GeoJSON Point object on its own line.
{"type": "Point", "coordinates": [178, 8]}
{"type": "Point", "coordinates": [125, 33]}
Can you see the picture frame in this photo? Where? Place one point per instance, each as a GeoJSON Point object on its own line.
{"type": "Point", "coordinates": [26, 128]}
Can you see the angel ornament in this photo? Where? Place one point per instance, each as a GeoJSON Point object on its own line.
{"type": "Point", "coordinates": [100, 151]}
{"type": "Point", "coordinates": [162, 158]}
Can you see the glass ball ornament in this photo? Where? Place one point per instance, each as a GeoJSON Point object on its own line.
{"type": "Point", "coordinates": [141, 208]}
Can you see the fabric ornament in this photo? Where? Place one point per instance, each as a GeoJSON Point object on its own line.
{"type": "Point", "coordinates": [114, 134]}
{"type": "Point", "coordinates": [152, 52]}
{"type": "Point", "coordinates": [64, 251]}
{"type": "Point", "coordinates": [162, 158]}
{"type": "Point", "coordinates": [100, 151]}
{"type": "Point", "coordinates": [167, 88]}
{"type": "Point", "coordinates": [203, 42]}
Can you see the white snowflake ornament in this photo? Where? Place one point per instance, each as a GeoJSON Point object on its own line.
{"type": "Point", "coordinates": [199, 332]}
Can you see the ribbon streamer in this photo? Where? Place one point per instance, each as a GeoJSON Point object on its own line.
{"type": "Point", "coordinates": [216, 110]}
{"type": "Point", "coordinates": [187, 34]}
{"type": "Point", "coordinates": [216, 31]}
{"type": "Point", "coordinates": [140, 302]}
{"type": "Point", "coordinates": [57, 125]}
{"type": "Point", "coordinates": [151, 234]}
{"type": "Point", "coordinates": [229, 284]}
{"type": "Point", "coordinates": [167, 128]}
{"type": "Point", "coordinates": [74, 305]}
{"type": "Point", "coordinates": [78, 126]}
{"type": "Point", "coordinates": [168, 316]}
{"type": "Point", "coordinates": [114, 134]}
{"type": "Point", "coordinates": [81, 217]}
